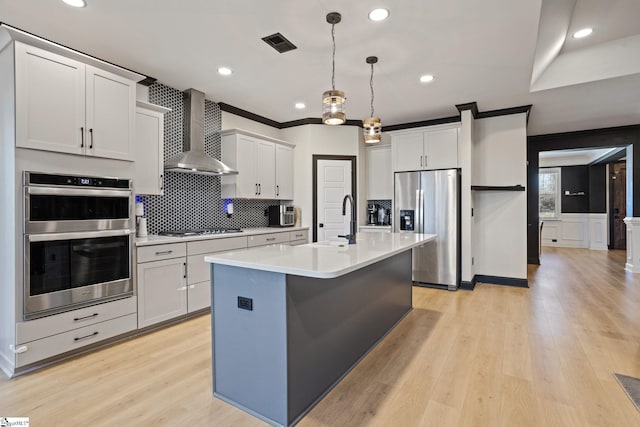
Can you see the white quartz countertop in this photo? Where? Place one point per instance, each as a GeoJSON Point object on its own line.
{"type": "Point", "coordinates": [324, 260]}
{"type": "Point", "coordinates": [160, 240]}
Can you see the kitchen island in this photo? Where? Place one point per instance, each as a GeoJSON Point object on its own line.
{"type": "Point", "coordinates": [289, 322]}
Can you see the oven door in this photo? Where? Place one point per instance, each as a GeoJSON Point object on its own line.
{"type": "Point", "coordinates": [70, 270]}
{"type": "Point", "coordinates": [60, 209]}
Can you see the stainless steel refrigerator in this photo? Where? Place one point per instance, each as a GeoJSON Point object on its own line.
{"type": "Point", "coordinates": [429, 202]}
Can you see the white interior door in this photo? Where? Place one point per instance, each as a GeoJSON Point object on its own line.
{"type": "Point", "coordinates": [334, 182]}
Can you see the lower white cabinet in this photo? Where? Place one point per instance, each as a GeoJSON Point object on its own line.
{"type": "Point", "coordinates": [73, 340]}
{"type": "Point", "coordinates": [199, 296]}
{"type": "Point", "coordinates": [50, 336]}
{"type": "Point", "coordinates": [162, 290]}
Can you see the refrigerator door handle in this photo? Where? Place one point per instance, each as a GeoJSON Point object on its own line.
{"type": "Point", "coordinates": [421, 204]}
{"type": "Point", "coordinates": [416, 220]}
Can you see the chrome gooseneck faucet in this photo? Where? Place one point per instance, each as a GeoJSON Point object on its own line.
{"type": "Point", "coordinates": [352, 224]}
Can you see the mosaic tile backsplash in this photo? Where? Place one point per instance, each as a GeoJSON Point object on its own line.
{"type": "Point", "coordinates": [382, 203]}
{"type": "Point", "coordinates": [193, 201]}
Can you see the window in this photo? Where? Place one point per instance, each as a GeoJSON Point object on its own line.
{"type": "Point", "coordinates": [549, 184]}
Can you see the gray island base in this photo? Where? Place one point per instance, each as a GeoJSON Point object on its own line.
{"type": "Point", "coordinates": [282, 341]}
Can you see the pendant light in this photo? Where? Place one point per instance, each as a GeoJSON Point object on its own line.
{"type": "Point", "coordinates": [333, 100]}
{"type": "Point", "coordinates": [372, 127]}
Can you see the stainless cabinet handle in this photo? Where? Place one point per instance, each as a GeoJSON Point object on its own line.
{"type": "Point", "coordinates": [271, 239]}
{"type": "Point", "coordinates": [420, 161]}
{"type": "Point", "coordinates": [256, 189]}
{"type": "Point", "coordinates": [259, 189]}
{"type": "Point", "coordinates": [91, 141]}
{"type": "Point", "coordinates": [425, 161]}
{"type": "Point", "coordinates": [277, 190]}
{"type": "Point", "coordinates": [86, 336]}
{"type": "Point", "coordinates": [82, 137]}
{"type": "Point", "coordinates": [299, 235]}
{"type": "Point", "coordinates": [185, 270]}
{"type": "Point", "coordinates": [91, 316]}
{"type": "Point", "coordinates": [164, 252]}
{"type": "Point", "coordinates": [161, 181]}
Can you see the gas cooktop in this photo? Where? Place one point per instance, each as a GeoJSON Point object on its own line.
{"type": "Point", "coordinates": [203, 232]}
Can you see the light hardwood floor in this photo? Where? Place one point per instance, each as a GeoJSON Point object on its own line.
{"type": "Point", "coordinates": [497, 356]}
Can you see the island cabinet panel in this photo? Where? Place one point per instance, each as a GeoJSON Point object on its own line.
{"type": "Point", "coordinates": [281, 341]}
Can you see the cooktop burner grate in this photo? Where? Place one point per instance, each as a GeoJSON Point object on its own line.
{"type": "Point", "coordinates": [206, 231]}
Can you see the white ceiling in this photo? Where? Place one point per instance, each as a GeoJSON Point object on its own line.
{"type": "Point", "coordinates": [572, 157]}
{"type": "Point", "coordinates": [478, 51]}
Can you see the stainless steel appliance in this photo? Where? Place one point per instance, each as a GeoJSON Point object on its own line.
{"type": "Point", "coordinates": [429, 202]}
{"type": "Point", "coordinates": [372, 214]}
{"type": "Point", "coordinates": [280, 216]}
{"type": "Point", "coordinates": [202, 232]}
{"type": "Point", "coordinates": [78, 241]}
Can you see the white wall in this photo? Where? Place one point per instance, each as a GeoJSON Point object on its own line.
{"type": "Point", "coordinates": [321, 139]}
{"type": "Point", "coordinates": [500, 217]}
{"type": "Point", "coordinates": [8, 230]}
{"type": "Point", "coordinates": [232, 121]}
{"type": "Point", "coordinates": [465, 161]}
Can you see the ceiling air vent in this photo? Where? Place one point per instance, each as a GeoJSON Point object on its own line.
{"type": "Point", "coordinates": [279, 42]}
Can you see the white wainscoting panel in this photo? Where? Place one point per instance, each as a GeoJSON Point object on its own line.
{"type": "Point", "coordinates": [577, 231]}
{"type": "Point", "coordinates": [598, 232]}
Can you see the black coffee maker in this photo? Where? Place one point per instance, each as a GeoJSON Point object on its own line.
{"type": "Point", "coordinates": [372, 214]}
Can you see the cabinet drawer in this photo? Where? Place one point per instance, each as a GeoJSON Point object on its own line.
{"type": "Point", "coordinates": [216, 245]}
{"type": "Point", "coordinates": [72, 340]}
{"type": "Point", "coordinates": [268, 239]}
{"type": "Point", "coordinates": [160, 252]}
{"type": "Point", "coordinates": [298, 242]}
{"type": "Point", "coordinates": [299, 235]}
{"type": "Point", "coordinates": [63, 322]}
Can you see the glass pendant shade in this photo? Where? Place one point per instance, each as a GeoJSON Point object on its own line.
{"type": "Point", "coordinates": [372, 130]}
{"type": "Point", "coordinates": [333, 107]}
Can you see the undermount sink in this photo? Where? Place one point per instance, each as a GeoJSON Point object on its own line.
{"type": "Point", "coordinates": [329, 243]}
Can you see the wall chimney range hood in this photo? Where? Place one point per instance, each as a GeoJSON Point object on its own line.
{"type": "Point", "coordinates": [194, 159]}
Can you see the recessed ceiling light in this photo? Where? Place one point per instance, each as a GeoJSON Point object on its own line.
{"type": "Point", "coordinates": [300, 105]}
{"type": "Point", "coordinates": [75, 3]}
{"type": "Point", "coordinates": [426, 78]}
{"type": "Point", "coordinates": [224, 71]}
{"type": "Point", "coordinates": [378, 14]}
{"type": "Point", "coordinates": [582, 33]}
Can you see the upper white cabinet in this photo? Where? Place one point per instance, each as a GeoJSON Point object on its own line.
{"type": "Point", "coordinates": [284, 172]}
{"type": "Point", "coordinates": [425, 149]}
{"type": "Point", "coordinates": [67, 106]}
{"type": "Point", "coordinates": [149, 178]}
{"type": "Point", "coordinates": [264, 165]}
{"type": "Point", "coordinates": [379, 173]}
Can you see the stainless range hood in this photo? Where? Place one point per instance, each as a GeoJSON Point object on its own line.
{"type": "Point", "coordinates": [194, 159]}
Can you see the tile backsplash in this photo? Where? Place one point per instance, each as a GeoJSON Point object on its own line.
{"type": "Point", "coordinates": [193, 201]}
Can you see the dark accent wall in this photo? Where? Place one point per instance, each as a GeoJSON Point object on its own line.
{"type": "Point", "coordinates": [574, 179]}
{"type": "Point", "coordinates": [598, 189]}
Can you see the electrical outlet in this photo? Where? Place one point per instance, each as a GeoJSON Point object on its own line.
{"type": "Point", "coordinates": [245, 303]}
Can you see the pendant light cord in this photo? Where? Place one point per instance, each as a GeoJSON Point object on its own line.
{"type": "Point", "coordinates": [333, 57]}
{"type": "Point", "coordinates": [371, 85]}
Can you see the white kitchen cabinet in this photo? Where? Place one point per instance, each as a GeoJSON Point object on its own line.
{"type": "Point", "coordinates": [257, 160]}
{"type": "Point", "coordinates": [67, 106]}
{"type": "Point", "coordinates": [379, 173]}
{"type": "Point", "coordinates": [429, 149]}
{"type": "Point", "coordinates": [284, 172]}
{"type": "Point", "coordinates": [149, 178]}
{"type": "Point", "coordinates": [162, 289]}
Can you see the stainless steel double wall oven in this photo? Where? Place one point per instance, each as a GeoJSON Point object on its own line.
{"type": "Point", "coordinates": [78, 240]}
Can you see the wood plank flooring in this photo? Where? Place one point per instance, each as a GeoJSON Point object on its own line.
{"type": "Point", "coordinates": [497, 356]}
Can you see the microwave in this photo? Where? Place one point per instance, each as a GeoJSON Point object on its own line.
{"type": "Point", "coordinates": [280, 216]}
